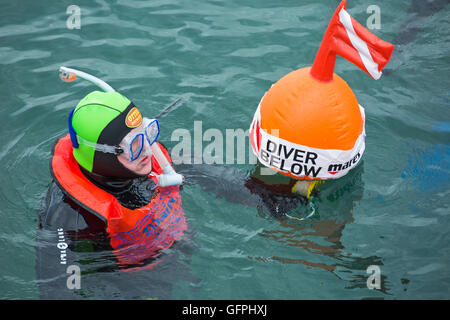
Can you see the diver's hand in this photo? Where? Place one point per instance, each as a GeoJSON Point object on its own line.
{"type": "Point", "coordinates": [305, 187]}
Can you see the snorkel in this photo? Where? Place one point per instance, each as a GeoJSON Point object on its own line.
{"type": "Point", "coordinates": [169, 177]}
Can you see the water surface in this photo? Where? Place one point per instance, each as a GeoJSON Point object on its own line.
{"type": "Point", "coordinates": [221, 57]}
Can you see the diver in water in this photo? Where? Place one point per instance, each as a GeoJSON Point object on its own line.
{"type": "Point", "coordinates": [107, 176]}
{"type": "Point", "coordinates": [113, 204]}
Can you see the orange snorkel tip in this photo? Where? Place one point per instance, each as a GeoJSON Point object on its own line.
{"type": "Point", "coordinates": [67, 76]}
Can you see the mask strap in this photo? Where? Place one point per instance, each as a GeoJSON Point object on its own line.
{"type": "Point", "coordinates": [101, 147]}
{"type": "Point", "coordinates": [73, 134]}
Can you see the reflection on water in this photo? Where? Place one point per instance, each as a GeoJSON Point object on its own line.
{"type": "Point", "coordinates": [101, 275]}
{"type": "Point", "coordinates": [319, 237]}
{"type": "Point", "coordinates": [429, 169]}
{"type": "Point", "coordinates": [314, 227]}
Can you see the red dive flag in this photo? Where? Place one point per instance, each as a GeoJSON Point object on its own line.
{"type": "Point", "coordinates": [349, 39]}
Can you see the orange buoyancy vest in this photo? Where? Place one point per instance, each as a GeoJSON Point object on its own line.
{"type": "Point", "coordinates": [134, 234]}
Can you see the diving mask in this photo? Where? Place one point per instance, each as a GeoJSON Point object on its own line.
{"type": "Point", "coordinates": [132, 145]}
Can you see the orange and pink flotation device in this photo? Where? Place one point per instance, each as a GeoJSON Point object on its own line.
{"type": "Point", "coordinates": [135, 235]}
{"type": "Point", "coordinates": [309, 124]}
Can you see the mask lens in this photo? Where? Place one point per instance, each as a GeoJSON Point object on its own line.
{"type": "Point", "coordinates": [152, 131]}
{"type": "Point", "coordinates": [136, 147]}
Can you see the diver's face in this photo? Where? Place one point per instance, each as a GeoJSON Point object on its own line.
{"type": "Point", "coordinates": [143, 164]}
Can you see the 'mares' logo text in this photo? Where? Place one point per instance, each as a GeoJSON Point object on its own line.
{"type": "Point", "coordinates": [335, 168]}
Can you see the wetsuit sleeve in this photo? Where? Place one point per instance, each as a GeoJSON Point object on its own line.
{"type": "Point", "coordinates": [238, 186]}
{"type": "Point", "coordinates": [57, 211]}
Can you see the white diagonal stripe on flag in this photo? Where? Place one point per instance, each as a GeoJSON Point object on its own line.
{"type": "Point", "coordinates": [359, 45]}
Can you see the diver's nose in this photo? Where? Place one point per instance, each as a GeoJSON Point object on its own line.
{"type": "Point", "coordinates": [147, 148]}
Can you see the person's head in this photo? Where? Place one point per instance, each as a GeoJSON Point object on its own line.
{"type": "Point", "coordinates": [110, 137]}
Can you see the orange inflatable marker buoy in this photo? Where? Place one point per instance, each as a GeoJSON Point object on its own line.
{"type": "Point", "coordinates": [309, 124]}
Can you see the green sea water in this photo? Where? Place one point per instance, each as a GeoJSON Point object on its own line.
{"type": "Point", "coordinates": [220, 57]}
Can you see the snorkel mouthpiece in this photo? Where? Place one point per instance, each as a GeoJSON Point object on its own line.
{"type": "Point", "coordinates": [169, 177]}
